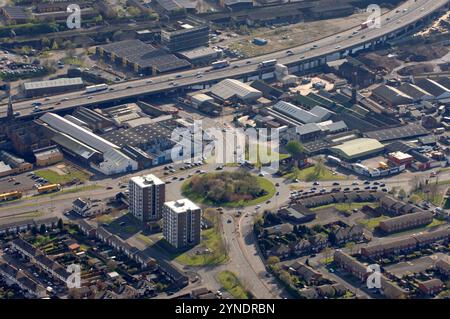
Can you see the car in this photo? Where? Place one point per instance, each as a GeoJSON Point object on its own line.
{"type": "Point", "coordinates": [178, 76]}
{"type": "Point", "coordinates": [366, 182]}
{"type": "Point", "coordinates": [122, 224]}
{"type": "Point", "coordinates": [356, 188]}
{"type": "Point", "coordinates": [229, 221]}
{"type": "Point", "coordinates": [384, 190]}
{"type": "Point", "coordinates": [355, 183]}
{"type": "Point", "coordinates": [277, 184]}
{"type": "Point", "coordinates": [219, 168]}
{"type": "Point", "coordinates": [277, 194]}
{"type": "Point", "coordinates": [367, 187]}
{"type": "Point", "coordinates": [268, 202]}
{"type": "Point", "coordinates": [376, 183]}
{"type": "Point", "coordinates": [181, 179]}
{"type": "Point", "coordinates": [174, 178]}
{"type": "Point", "coordinates": [257, 206]}
{"type": "Point", "coordinates": [123, 186]}
{"type": "Point", "coordinates": [374, 187]}
{"type": "Point", "coordinates": [109, 187]}
{"type": "Point", "coordinates": [336, 184]}
{"type": "Point", "coordinates": [346, 189]}
{"type": "Point", "coordinates": [316, 183]}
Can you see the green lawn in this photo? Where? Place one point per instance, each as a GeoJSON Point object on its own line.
{"type": "Point", "coordinates": [371, 223]}
{"type": "Point", "coordinates": [54, 178]}
{"type": "Point", "coordinates": [309, 175]}
{"type": "Point", "coordinates": [211, 240]}
{"type": "Point", "coordinates": [436, 199]}
{"type": "Point", "coordinates": [263, 183]}
{"type": "Point", "coordinates": [346, 206]}
{"type": "Point", "coordinates": [436, 222]}
{"type": "Point", "coordinates": [231, 283]}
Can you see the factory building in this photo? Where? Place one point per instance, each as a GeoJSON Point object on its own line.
{"type": "Point", "coordinates": [315, 115]}
{"type": "Point", "coordinates": [231, 89]}
{"type": "Point", "coordinates": [141, 57]}
{"type": "Point", "coordinates": [181, 223]}
{"type": "Point", "coordinates": [357, 148]}
{"type": "Point", "coordinates": [49, 87]}
{"type": "Point", "coordinates": [146, 198]}
{"type": "Point", "coordinates": [201, 55]}
{"type": "Point", "coordinates": [83, 143]}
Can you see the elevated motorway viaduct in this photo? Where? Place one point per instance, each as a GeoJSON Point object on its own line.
{"type": "Point", "coordinates": [396, 23]}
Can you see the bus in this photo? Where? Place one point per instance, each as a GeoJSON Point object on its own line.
{"type": "Point", "coordinates": [49, 188]}
{"type": "Point", "coordinates": [10, 196]}
{"type": "Point", "coordinates": [96, 88]}
{"type": "Point", "coordinates": [265, 64]}
{"type": "Point", "coordinates": [220, 64]}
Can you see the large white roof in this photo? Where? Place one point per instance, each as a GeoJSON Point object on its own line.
{"type": "Point", "coordinates": [77, 132]}
{"type": "Point", "coordinates": [228, 88]}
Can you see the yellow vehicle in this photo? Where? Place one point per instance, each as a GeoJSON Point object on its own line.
{"type": "Point", "coordinates": [10, 196]}
{"type": "Point", "coordinates": [49, 188]}
{"type": "Point", "coordinates": [383, 165]}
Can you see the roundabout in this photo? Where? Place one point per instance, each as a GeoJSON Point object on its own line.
{"type": "Point", "coordinates": [230, 189]}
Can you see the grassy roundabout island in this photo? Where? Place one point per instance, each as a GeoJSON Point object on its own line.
{"type": "Point", "coordinates": [231, 189]}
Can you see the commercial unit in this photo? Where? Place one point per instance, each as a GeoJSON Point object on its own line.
{"type": "Point", "coordinates": [48, 156]}
{"type": "Point", "coordinates": [146, 197]}
{"type": "Point", "coordinates": [315, 115]}
{"type": "Point", "coordinates": [231, 89]}
{"type": "Point", "coordinates": [400, 158]}
{"type": "Point", "coordinates": [181, 223]}
{"type": "Point", "coordinates": [357, 148]}
{"type": "Point", "coordinates": [184, 35]}
{"type": "Point", "coordinates": [83, 143]}
{"type": "Point", "coordinates": [11, 164]}
{"type": "Point", "coordinates": [49, 87]}
{"type": "Point", "coordinates": [141, 57]}
{"type": "Point", "coordinates": [200, 55]}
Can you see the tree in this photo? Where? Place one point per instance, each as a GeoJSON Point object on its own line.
{"type": "Point", "coordinates": [319, 168]}
{"type": "Point", "coordinates": [60, 224]}
{"type": "Point", "coordinates": [42, 229]}
{"type": "Point", "coordinates": [273, 260]}
{"type": "Point", "coordinates": [296, 149]}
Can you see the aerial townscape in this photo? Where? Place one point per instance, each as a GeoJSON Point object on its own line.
{"type": "Point", "coordinates": [224, 149]}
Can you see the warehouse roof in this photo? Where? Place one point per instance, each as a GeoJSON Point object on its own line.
{"type": "Point", "coordinates": [77, 132]}
{"type": "Point", "coordinates": [296, 112]}
{"type": "Point", "coordinates": [358, 147]}
{"type": "Point", "coordinates": [53, 83]}
{"type": "Point", "coordinates": [229, 88]}
{"type": "Point", "coordinates": [413, 91]}
{"type": "Point", "coordinates": [198, 53]}
{"type": "Point", "coordinates": [396, 133]}
{"type": "Point", "coordinates": [392, 95]}
{"type": "Point", "coordinates": [432, 87]}
{"type": "Point", "coordinates": [145, 55]}
{"type": "Point", "coordinates": [143, 134]}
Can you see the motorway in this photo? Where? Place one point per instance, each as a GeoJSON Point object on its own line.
{"type": "Point", "coordinates": [406, 14]}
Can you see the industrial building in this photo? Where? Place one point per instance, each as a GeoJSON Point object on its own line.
{"type": "Point", "coordinates": [48, 156]}
{"type": "Point", "coordinates": [231, 89]}
{"type": "Point", "coordinates": [201, 55]}
{"type": "Point", "coordinates": [49, 87]}
{"type": "Point", "coordinates": [146, 198]}
{"type": "Point", "coordinates": [141, 57]}
{"type": "Point", "coordinates": [315, 115]}
{"type": "Point", "coordinates": [357, 148]}
{"type": "Point", "coordinates": [87, 146]}
{"type": "Point", "coordinates": [184, 35]}
{"type": "Point", "coordinates": [181, 223]}
{"type": "Point", "coordinates": [11, 164]}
